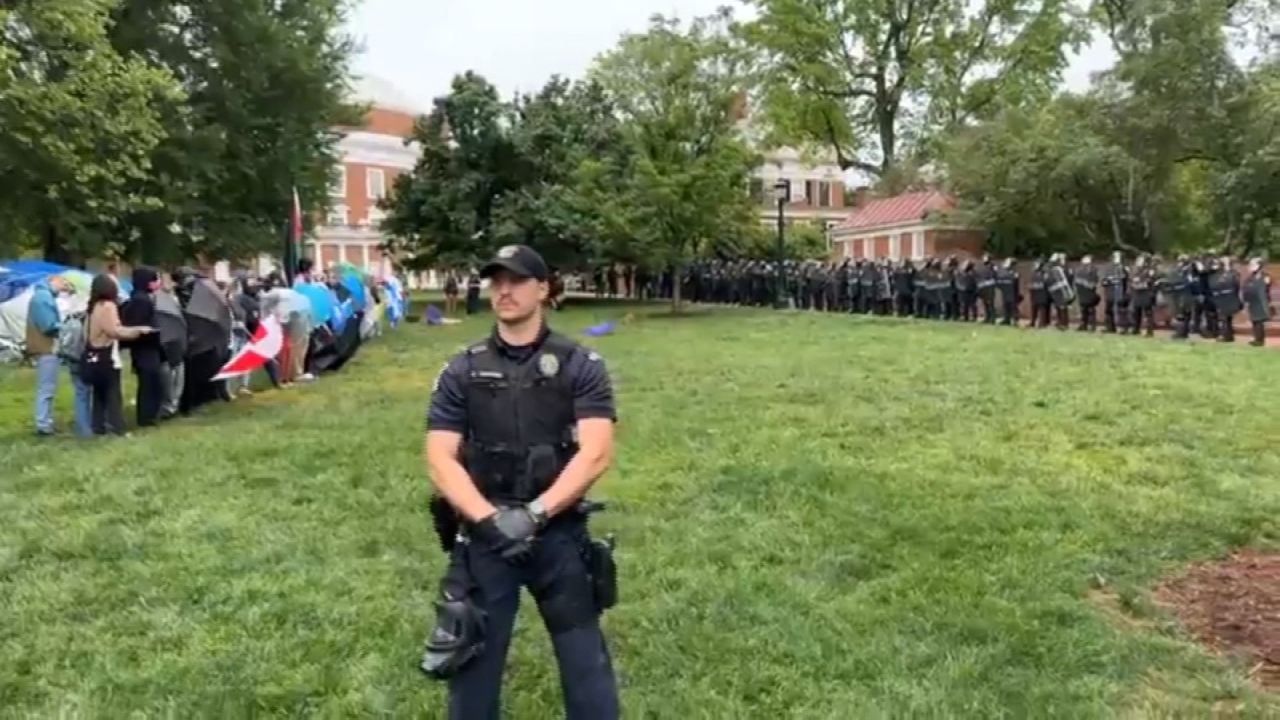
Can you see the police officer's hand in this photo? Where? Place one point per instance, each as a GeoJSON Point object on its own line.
{"type": "Point", "coordinates": [510, 533]}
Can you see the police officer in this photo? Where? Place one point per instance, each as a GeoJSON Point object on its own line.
{"type": "Point", "coordinates": [1040, 294]}
{"type": "Point", "coordinates": [1142, 286]}
{"type": "Point", "coordinates": [1257, 297]}
{"type": "Point", "coordinates": [1007, 282]}
{"type": "Point", "coordinates": [1224, 285]}
{"type": "Point", "coordinates": [520, 426]}
{"type": "Point", "coordinates": [473, 293]}
{"type": "Point", "coordinates": [1086, 280]}
{"type": "Point", "coordinates": [986, 280]}
{"type": "Point", "coordinates": [1182, 284]}
{"type": "Point", "coordinates": [1115, 295]}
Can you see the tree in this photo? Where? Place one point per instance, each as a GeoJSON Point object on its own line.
{"type": "Point", "coordinates": [444, 211]}
{"type": "Point", "coordinates": [801, 241]}
{"type": "Point", "coordinates": [880, 81]}
{"type": "Point", "coordinates": [675, 89]}
{"type": "Point", "coordinates": [267, 86]}
{"type": "Point", "coordinates": [80, 122]}
{"type": "Point", "coordinates": [556, 208]}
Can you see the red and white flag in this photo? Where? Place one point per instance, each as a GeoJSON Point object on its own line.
{"type": "Point", "coordinates": [263, 346]}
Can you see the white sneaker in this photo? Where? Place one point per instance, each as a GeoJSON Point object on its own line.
{"type": "Point", "coordinates": [306, 377]}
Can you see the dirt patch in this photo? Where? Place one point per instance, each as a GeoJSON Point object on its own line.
{"type": "Point", "coordinates": [1233, 606]}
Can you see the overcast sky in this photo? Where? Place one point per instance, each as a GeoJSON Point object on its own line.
{"type": "Point", "coordinates": [418, 45]}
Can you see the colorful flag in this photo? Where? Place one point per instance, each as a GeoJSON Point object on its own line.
{"type": "Point", "coordinates": [262, 347]}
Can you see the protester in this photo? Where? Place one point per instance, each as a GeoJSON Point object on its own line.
{"type": "Point", "coordinates": [451, 293]}
{"type": "Point", "coordinates": [147, 357]}
{"type": "Point", "coordinates": [101, 365]}
{"type": "Point", "coordinates": [43, 324]}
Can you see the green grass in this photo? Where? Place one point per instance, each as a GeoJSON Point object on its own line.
{"type": "Point", "coordinates": [818, 517]}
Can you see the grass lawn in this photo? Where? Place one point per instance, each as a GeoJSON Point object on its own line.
{"type": "Point", "coordinates": [818, 517]}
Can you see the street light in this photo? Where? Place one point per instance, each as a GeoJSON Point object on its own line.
{"type": "Point", "coordinates": [781, 192]}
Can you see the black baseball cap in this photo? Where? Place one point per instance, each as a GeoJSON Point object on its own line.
{"type": "Point", "coordinates": [519, 259]}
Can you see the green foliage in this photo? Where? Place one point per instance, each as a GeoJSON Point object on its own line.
{"type": "Point", "coordinates": [675, 88]}
{"type": "Point", "coordinates": [639, 164]}
{"type": "Point", "coordinates": [267, 84]}
{"type": "Point", "coordinates": [881, 81]}
{"type": "Point", "coordinates": [443, 211]}
{"type": "Point", "coordinates": [78, 125]}
{"type": "Point", "coordinates": [541, 171]}
{"type": "Point", "coordinates": [818, 516]}
{"type": "Point", "coordinates": [1174, 149]}
{"type": "Point", "coordinates": [801, 241]}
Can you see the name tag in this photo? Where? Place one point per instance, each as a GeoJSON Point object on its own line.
{"type": "Point", "coordinates": [487, 374]}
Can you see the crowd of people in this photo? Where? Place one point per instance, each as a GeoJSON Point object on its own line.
{"type": "Point", "coordinates": [1198, 294]}
{"type": "Point", "coordinates": [179, 329]}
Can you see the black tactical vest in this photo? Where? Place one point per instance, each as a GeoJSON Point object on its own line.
{"type": "Point", "coordinates": [520, 419]}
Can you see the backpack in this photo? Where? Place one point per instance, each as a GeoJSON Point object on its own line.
{"type": "Point", "coordinates": [71, 339]}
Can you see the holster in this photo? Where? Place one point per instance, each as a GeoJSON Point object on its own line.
{"type": "Point", "coordinates": [603, 571]}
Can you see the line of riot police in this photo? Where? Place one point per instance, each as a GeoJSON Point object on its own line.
{"type": "Point", "coordinates": [1202, 295]}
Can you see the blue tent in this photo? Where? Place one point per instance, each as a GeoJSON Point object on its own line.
{"type": "Point", "coordinates": [18, 275]}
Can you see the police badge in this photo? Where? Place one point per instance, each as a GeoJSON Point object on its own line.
{"type": "Point", "coordinates": [548, 365]}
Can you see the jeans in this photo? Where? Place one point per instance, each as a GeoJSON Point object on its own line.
{"type": "Point", "coordinates": [174, 377]}
{"type": "Point", "coordinates": [84, 406]}
{"type": "Point", "coordinates": [47, 369]}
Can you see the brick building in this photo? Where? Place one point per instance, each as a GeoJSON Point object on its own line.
{"type": "Point", "coordinates": [373, 155]}
{"type": "Point", "coordinates": [913, 226]}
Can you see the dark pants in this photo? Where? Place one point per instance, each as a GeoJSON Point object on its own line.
{"type": "Point", "coordinates": [988, 308]}
{"type": "Point", "coordinates": [1115, 316]}
{"type": "Point", "coordinates": [1088, 317]}
{"type": "Point", "coordinates": [1149, 312]}
{"type": "Point", "coordinates": [1063, 317]}
{"type": "Point", "coordinates": [1040, 316]}
{"type": "Point", "coordinates": [1010, 310]}
{"type": "Point", "coordinates": [151, 394]}
{"type": "Point", "coordinates": [557, 579]}
{"type": "Point", "coordinates": [473, 300]}
{"type": "Point", "coordinates": [1228, 328]}
{"type": "Point", "coordinates": [1259, 333]}
{"type": "Point", "coordinates": [107, 414]}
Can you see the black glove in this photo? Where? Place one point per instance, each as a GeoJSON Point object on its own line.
{"type": "Point", "coordinates": [510, 533]}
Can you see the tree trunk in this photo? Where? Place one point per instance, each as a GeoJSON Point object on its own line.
{"type": "Point", "coordinates": [677, 273]}
{"type": "Point", "coordinates": [55, 250]}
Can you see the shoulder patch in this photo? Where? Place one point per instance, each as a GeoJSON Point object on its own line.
{"type": "Point", "coordinates": [477, 349]}
{"type": "Point", "coordinates": [593, 356]}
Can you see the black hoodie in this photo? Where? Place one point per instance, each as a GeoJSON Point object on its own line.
{"type": "Point", "coordinates": [141, 310]}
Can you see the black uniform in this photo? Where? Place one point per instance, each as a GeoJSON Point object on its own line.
{"type": "Point", "coordinates": [473, 294]}
{"type": "Point", "coordinates": [986, 282]}
{"type": "Point", "coordinates": [516, 408]}
{"type": "Point", "coordinates": [1040, 296]}
{"type": "Point", "coordinates": [1087, 295]}
{"type": "Point", "coordinates": [1115, 294]}
{"type": "Point", "coordinates": [1183, 284]}
{"type": "Point", "coordinates": [967, 289]}
{"type": "Point", "coordinates": [904, 278]}
{"type": "Point", "coordinates": [1143, 284]}
{"type": "Point", "coordinates": [1007, 282]}
{"type": "Point", "coordinates": [1224, 285]}
{"type": "Point", "coordinates": [1257, 298]}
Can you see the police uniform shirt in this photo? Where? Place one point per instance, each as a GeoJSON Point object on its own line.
{"type": "Point", "coordinates": [585, 371]}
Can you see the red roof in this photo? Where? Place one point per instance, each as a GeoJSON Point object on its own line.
{"type": "Point", "coordinates": [897, 210]}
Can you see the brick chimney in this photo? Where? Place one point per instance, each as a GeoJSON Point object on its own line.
{"type": "Point", "coordinates": [861, 195]}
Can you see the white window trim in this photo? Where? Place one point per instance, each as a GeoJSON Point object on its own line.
{"type": "Point", "coordinates": [338, 210]}
{"type": "Point", "coordinates": [339, 189]}
{"type": "Point", "coordinates": [368, 182]}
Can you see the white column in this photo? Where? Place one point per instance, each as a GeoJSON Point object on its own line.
{"type": "Point", "coordinates": [364, 248]}
{"type": "Point", "coordinates": [917, 245]}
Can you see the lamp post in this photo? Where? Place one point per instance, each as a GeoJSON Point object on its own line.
{"type": "Point", "coordinates": [781, 192]}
